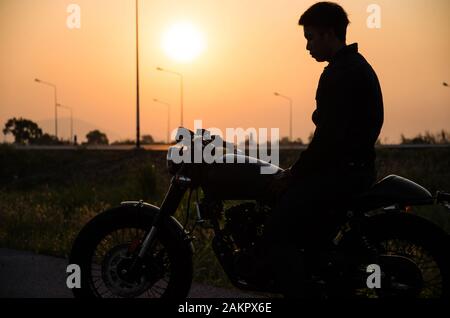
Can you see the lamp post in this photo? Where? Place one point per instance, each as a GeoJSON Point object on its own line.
{"type": "Point", "coordinates": [290, 112]}
{"type": "Point", "coordinates": [71, 120]}
{"type": "Point", "coordinates": [181, 90]}
{"type": "Point", "coordinates": [168, 117]}
{"type": "Point", "coordinates": [56, 103]}
{"type": "Point", "coordinates": [138, 134]}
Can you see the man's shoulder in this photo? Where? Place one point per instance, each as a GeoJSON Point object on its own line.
{"type": "Point", "coordinates": [353, 65]}
{"type": "Point", "coordinates": [354, 61]}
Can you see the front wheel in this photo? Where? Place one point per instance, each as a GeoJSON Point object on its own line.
{"type": "Point", "coordinates": [106, 247]}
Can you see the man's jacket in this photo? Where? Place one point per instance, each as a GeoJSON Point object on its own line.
{"type": "Point", "coordinates": [348, 116]}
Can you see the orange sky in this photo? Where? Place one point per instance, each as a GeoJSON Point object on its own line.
{"type": "Point", "coordinates": [253, 48]}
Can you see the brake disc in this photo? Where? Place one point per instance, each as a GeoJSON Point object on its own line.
{"type": "Point", "coordinates": [115, 267]}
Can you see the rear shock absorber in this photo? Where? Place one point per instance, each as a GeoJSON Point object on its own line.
{"type": "Point", "coordinates": [368, 249]}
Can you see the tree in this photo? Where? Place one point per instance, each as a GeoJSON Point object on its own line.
{"type": "Point", "coordinates": [444, 137]}
{"type": "Point", "coordinates": [286, 141]}
{"type": "Point", "coordinates": [441, 137]}
{"type": "Point", "coordinates": [24, 131]}
{"type": "Point", "coordinates": [96, 137]}
{"type": "Point", "coordinates": [124, 142]}
{"type": "Point", "coordinates": [147, 140]}
{"type": "Point", "coordinates": [47, 139]}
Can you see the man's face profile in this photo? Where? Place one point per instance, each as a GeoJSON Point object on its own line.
{"type": "Point", "coordinates": [318, 42]}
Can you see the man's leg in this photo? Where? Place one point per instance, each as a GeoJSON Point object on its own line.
{"type": "Point", "coordinates": [285, 238]}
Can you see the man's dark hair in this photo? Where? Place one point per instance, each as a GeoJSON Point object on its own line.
{"type": "Point", "coordinates": [326, 15]}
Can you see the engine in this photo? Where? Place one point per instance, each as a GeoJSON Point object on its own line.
{"type": "Point", "coordinates": [245, 224]}
{"type": "Point", "coordinates": [240, 248]}
{"type": "Point", "coordinates": [243, 232]}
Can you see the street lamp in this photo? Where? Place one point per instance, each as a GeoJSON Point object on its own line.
{"type": "Point", "coordinates": [71, 120]}
{"type": "Point", "coordinates": [56, 103]}
{"type": "Point", "coordinates": [138, 134]}
{"type": "Point", "coordinates": [181, 90]}
{"type": "Point", "coordinates": [290, 112]}
{"type": "Point", "coordinates": [168, 117]}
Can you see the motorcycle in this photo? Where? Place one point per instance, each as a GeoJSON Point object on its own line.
{"type": "Point", "coordinates": [141, 250]}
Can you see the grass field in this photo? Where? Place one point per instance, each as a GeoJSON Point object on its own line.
{"type": "Point", "coordinates": [46, 196]}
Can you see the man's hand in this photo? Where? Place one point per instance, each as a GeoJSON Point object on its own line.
{"type": "Point", "coordinates": [279, 184]}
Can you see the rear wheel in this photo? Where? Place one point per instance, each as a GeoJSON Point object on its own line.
{"type": "Point", "coordinates": [415, 261]}
{"type": "Point", "coordinates": [105, 250]}
{"type": "Point", "coordinates": [418, 275]}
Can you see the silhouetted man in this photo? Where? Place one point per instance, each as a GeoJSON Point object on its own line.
{"type": "Point", "coordinates": [339, 162]}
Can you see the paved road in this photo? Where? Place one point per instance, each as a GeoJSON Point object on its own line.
{"type": "Point", "coordinates": [29, 275]}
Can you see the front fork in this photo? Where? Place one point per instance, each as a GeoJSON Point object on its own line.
{"type": "Point", "coordinates": [177, 189]}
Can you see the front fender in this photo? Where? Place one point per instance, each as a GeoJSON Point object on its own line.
{"type": "Point", "coordinates": [150, 210]}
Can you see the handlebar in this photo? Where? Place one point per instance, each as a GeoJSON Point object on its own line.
{"type": "Point", "coordinates": [442, 197]}
{"type": "Point", "coordinates": [204, 134]}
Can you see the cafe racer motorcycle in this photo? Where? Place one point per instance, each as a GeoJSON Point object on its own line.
{"type": "Point", "coordinates": [141, 250]}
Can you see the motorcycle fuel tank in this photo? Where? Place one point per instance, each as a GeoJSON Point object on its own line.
{"type": "Point", "coordinates": [238, 177]}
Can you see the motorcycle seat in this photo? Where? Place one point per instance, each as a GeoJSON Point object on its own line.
{"type": "Point", "coordinates": [392, 190]}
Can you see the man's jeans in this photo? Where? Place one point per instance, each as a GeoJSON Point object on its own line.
{"type": "Point", "coordinates": [304, 219]}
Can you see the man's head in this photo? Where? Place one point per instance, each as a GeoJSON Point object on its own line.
{"type": "Point", "coordinates": [325, 28]}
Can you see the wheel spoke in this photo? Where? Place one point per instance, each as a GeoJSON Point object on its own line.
{"type": "Point", "coordinates": [106, 262]}
{"type": "Point", "coordinates": [431, 274]}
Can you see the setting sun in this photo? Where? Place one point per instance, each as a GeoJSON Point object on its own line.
{"type": "Point", "coordinates": [183, 42]}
